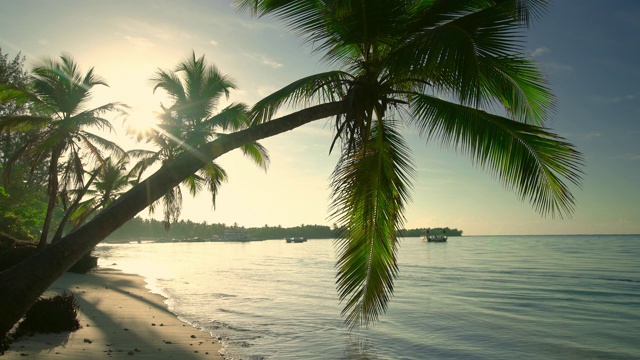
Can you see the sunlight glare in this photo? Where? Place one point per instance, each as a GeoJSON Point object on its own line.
{"type": "Point", "coordinates": [140, 121]}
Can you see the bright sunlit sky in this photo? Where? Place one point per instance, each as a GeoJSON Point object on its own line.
{"type": "Point", "coordinates": [589, 49]}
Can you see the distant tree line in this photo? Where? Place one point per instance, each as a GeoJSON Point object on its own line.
{"type": "Point", "coordinates": [141, 229]}
{"type": "Point", "coordinates": [431, 231]}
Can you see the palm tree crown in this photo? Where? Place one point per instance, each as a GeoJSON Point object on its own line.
{"type": "Point", "coordinates": [112, 179]}
{"type": "Point", "coordinates": [443, 68]}
{"type": "Point", "coordinates": [59, 94]}
{"type": "Point", "coordinates": [196, 89]}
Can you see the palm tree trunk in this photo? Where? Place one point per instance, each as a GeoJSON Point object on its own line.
{"type": "Point", "coordinates": [52, 189]}
{"type": "Point", "coordinates": [67, 215]}
{"type": "Point", "coordinates": [22, 284]}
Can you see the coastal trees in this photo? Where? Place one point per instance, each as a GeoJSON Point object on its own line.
{"type": "Point", "coordinates": [112, 179]}
{"type": "Point", "coordinates": [395, 57]}
{"type": "Point", "coordinates": [22, 284]}
{"type": "Point", "coordinates": [196, 89]}
{"type": "Point", "coordinates": [436, 68]}
{"type": "Point", "coordinates": [57, 95]}
{"type": "Point", "coordinates": [22, 205]}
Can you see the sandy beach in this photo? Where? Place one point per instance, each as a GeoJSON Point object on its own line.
{"type": "Point", "coordinates": [120, 318]}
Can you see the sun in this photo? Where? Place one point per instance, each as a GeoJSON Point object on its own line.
{"type": "Point", "coordinates": [141, 120]}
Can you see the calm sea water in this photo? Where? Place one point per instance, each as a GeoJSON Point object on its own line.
{"type": "Point", "coordinates": [527, 297]}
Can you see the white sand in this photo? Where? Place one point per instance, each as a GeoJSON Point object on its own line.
{"type": "Point", "coordinates": [120, 318]}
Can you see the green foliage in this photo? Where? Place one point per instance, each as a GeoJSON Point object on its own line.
{"type": "Point", "coordinates": [22, 209]}
{"type": "Point", "coordinates": [56, 126]}
{"type": "Point", "coordinates": [55, 314]}
{"type": "Point", "coordinates": [138, 228]}
{"type": "Point", "coordinates": [195, 89]}
{"type": "Point", "coordinates": [397, 60]}
{"type": "Point", "coordinates": [422, 231]}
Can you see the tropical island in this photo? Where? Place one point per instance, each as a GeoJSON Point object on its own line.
{"type": "Point", "coordinates": [150, 229]}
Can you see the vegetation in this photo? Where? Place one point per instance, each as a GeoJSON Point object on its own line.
{"type": "Point", "coordinates": [57, 93]}
{"type": "Point", "coordinates": [55, 314]}
{"type": "Point", "coordinates": [398, 62]}
{"type": "Point", "coordinates": [149, 229]}
{"type": "Point", "coordinates": [394, 58]}
{"type": "Point", "coordinates": [22, 203]}
{"type": "Point", "coordinates": [195, 88]}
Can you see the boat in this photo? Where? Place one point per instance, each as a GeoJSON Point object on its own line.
{"type": "Point", "coordinates": [434, 238]}
{"type": "Point", "coordinates": [296, 239]}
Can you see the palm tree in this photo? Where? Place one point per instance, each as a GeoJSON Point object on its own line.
{"type": "Point", "coordinates": [191, 121]}
{"type": "Point", "coordinates": [435, 67]}
{"type": "Point", "coordinates": [111, 181]}
{"type": "Point", "coordinates": [58, 95]}
{"type": "Point", "coordinates": [527, 157]}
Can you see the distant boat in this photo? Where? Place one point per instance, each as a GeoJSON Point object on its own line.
{"type": "Point", "coordinates": [437, 238]}
{"type": "Point", "coordinates": [296, 239]}
{"type": "Point", "coordinates": [434, 238]}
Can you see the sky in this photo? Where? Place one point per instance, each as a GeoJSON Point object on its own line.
{"type": "Point", "coordinates": [588, 49]}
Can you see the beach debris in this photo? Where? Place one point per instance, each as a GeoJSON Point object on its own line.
{"type": "Point", "coordinates": [193, 336]}
{"type": "Point", "coordinates": [88, 341]}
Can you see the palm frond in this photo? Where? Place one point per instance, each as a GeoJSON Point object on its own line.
{"type": "Point", "coordinates": [172, 205]}
{"type": "Point", "coordinates": [23, 123]}
{"type": "Point", "coordinates": [455, 45]}
{"type": "Point", "coordinates": [528, 159]}
{"type": "Point", "coordinates": [232, 117]}
{"type": "Point", "coordinates": [95, 142]}
{"type": "Point", "coordinates": [370, 187]}
{"type": "Point", "coordinates": [213, 175]}
{"type": "Point", "coordinates": [323, 87]}
{"type": "Point", "coordinates": [169, 82]}
{"type": "Point", "coordinates": [258, 153]}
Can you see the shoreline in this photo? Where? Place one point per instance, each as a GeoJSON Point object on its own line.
{"type": "Point", "coordinates": [119, 318]}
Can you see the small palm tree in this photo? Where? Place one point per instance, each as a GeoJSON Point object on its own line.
{"type": "Point", "coordinates": [112, 179]}
{"type": "Point", "coordinates": [436, 67]}
{"type": "Point", "coordinates": [58, 95]}
{"type": "Point", "coordinates": [196, 89]}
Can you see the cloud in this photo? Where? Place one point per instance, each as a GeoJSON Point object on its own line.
{"type": "Point", "coordinates": [592, 135]}
{"type": "Point", "coordinates": [43, 42]}
{"type": "Point", "coordinates": [163, 33]}
{"type": "Point", "coordinates": [139, 42]}
{"type": "Point", "coordinates": [213, 42]}
{"type": "Point", "coordinates": [271, 62]}
{"type": "Point", "coordinates": [540, 51]}
{"type": "Point", "coordinates": [266, 90]}
{"type": "Point", "coordinates": [608, 100]}
{"type": "Point", "coordinates": [557, 68]}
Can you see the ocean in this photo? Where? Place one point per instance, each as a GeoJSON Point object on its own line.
{"type": "Point", "coordinates": [474, 297]}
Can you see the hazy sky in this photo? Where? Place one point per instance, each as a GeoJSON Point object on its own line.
{"type": "Point", "coordinates": [589, 49]}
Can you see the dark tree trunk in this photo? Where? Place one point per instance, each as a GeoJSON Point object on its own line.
{"type": "Point", "coordinates": [52, 189]}
{"type": "Point", "coordinates": [21, 285]}
{"type": "Point", "coordinates": [67, 215]}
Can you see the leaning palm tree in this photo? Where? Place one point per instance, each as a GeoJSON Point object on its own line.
{"type": "Point", "coordinates": [435, 67]}
{"type": "Point", "coordinates": [196, 89]}
{"type": "Point", "coordinates": [58, 95]}
{"type": "Point", "coordinates": [464, 44]}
